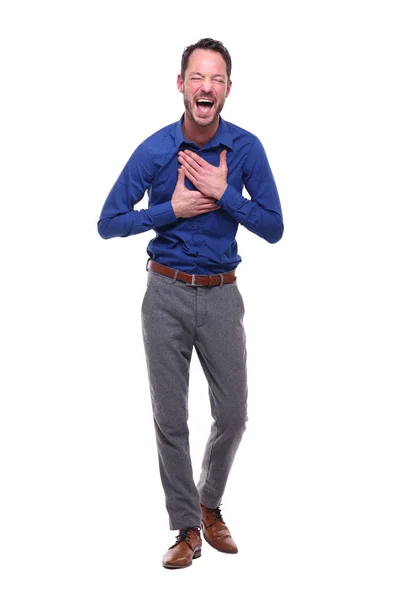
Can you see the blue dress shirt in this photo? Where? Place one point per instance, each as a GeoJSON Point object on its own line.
{"type": "Point", "coordinates": [204, 244]}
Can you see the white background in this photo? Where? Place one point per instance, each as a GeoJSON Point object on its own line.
{"type": "Point", "coordinates": [314, 493]}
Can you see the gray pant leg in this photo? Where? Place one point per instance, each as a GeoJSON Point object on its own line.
{"type": "Point", "coordinates": [221, 348]}
{"type": "Point", "coordinates": [168, 325]}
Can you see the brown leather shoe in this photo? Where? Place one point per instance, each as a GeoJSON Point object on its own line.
{"type": "Point", "coordinates": [215, 532]}
{"type": "Point", "coordinates": [186, 547]}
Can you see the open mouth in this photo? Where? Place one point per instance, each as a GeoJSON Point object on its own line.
{"type": "Point", "coordinates": [204, 105]}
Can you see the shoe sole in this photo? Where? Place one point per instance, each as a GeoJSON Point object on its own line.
{"type": "Point", "coordinates": [195, 555]}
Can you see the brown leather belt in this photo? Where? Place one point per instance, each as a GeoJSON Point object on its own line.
{"type": "Point", "coordinates": [206, 280]}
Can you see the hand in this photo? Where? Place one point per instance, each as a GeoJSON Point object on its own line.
{"type": "Point", "coordinates": [210, 180]}
{"type": "Point", "coordinates": [187, 203]}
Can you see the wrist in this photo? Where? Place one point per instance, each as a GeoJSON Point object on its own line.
{"type": "Point", "coordinates": [175, 209]}
{"type": "Point", "coordinates": [221, 192]}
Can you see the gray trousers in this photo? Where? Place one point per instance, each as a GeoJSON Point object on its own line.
{"type": "Point", "coordinates": [176, 318]}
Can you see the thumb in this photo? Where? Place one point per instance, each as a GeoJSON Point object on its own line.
{"type": "Point", "coordinates": [222, 158]}
{"type": "Point", "coordinates": [181, 178]}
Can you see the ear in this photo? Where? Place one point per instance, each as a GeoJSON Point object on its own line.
{"type": "Point", "coordinates": [228, 89]}
{"type": "Point", "coordinates": [179, 83]}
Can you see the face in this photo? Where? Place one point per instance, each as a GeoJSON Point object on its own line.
{"type": "Point", "coordinates": [204, 87]}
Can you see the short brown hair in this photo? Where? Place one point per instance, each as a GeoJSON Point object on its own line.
{"type": "Point", "coordinates": [207, 44]}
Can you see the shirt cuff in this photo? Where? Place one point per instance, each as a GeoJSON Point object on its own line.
{"type": "Point", "coordinates": [231, 200]}
{"type": "Point", "coordinates": [162, 214]}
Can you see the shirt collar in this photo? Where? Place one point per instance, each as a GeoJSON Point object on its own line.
{"type": "Point", "coordinates": [222, 137]}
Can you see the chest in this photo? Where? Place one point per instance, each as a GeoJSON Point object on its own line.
{"type": "Point", "coordinates": [166, 175]}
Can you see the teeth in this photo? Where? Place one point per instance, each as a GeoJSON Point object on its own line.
{"type": "Point", "coordinates": [205, 100]}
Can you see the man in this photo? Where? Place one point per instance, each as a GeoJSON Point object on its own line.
{"type": "Point", "coordinates": [194, 172]}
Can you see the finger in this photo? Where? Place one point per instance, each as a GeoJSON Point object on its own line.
{"type": "Point", "coordinates": [207, 205]}
{"type": "Point", "coordinates": [190, 173]}
{"type": "Point", "coordinates": [181, 179]}
{"type": "Point", "coordinates": [209, 209]}
{"type": "Point", "coordinates": [188, 162]}
{"type": "Point", "coordinates": [222, 158]}
{"type": "Point", "coordinates": [195, 159]}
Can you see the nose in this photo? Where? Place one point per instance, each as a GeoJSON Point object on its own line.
{"type": "Point", "coordinates": [206, 85]}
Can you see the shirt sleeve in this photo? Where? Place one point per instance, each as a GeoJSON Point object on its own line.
{"type": "Point", "coordinates": [262, 214]}
{"type": "Point", "coordinates": [118, 217]}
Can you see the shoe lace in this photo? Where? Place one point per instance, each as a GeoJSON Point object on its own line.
{"type": "Point", "coordinates": [183, 536]}
{"type": "Point", "coordinates": [216, 513]}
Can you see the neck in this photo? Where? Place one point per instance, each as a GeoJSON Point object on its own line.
{"type": "Point", "coordinates": [198, 135]}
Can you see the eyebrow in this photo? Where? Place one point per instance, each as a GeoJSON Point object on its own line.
{"type": "Point", "coordinates": [212, 77]}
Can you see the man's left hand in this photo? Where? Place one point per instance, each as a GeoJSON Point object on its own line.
{"type": "Point", "coordinates": [209, 180]}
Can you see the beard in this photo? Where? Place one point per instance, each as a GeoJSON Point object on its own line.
{"type": "Point", "coordinates": [202, 120]}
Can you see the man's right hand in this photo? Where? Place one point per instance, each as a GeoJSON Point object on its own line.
{"type": "Point", "coordinates": [187, 203]}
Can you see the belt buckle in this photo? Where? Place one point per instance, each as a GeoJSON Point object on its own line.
{"type": "Point", "coordinates": [193, 282]}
